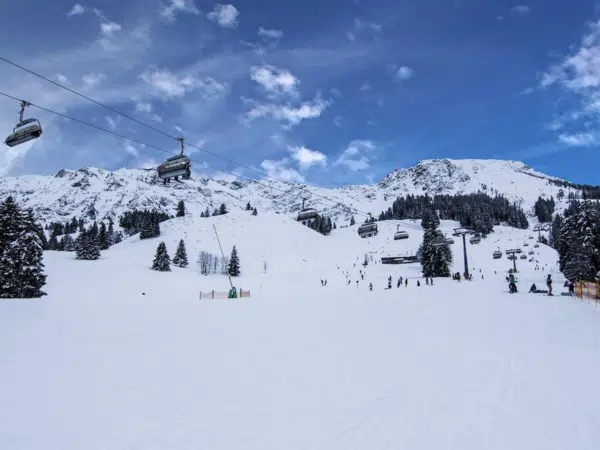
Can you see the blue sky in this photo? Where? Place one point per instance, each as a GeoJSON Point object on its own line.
{"type": "Point", "coordinates": [325, 92]}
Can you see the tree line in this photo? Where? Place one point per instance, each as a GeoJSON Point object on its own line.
{"type": "Point", "coordinates": [477, 211]}
{"type": "Point", "coordinates": [207, 262]}
{"type": "Point", "coordinates": [575, 235]}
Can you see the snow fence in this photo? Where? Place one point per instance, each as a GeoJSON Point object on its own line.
{"type": "Point", "coordinates": [222, 294]}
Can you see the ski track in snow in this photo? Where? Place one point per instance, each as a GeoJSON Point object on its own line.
{"type": "Point", "coordinates": [96, 365]}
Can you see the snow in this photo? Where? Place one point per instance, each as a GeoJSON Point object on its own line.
{"type": "Point", "coordinates": [97, 365]}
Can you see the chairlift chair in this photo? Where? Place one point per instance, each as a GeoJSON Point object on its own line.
{"type": "Point", "coordinates": [368, 230]}
{"type": "Point", "coordinates": [175, 166]}
{"type": "Point", "coordinates": [523, 256]}
{"type": "Point", "coordinates": [25, 130]}
{"type": "Point", "coordinates": [306, 214]}
{"type": "Point", "coordinates": [536, 246]}
{"type": "Point", "coordinates": [475, 240]}
{"type": "Point", "coordinates": [400, 234]}
{"type": "Point", "coordinates": [497, 254]}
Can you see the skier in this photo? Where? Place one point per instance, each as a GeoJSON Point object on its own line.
{"type": "Point", "coordinates": [427, 280]}
{"type": "Point", "coordinates": [418, 283]}
{"type": "Point", "coordinates": [533, 289]}
{"type": "Point", "coordinates": [399, 282]}
{"type": "Point", "coordinates": [389, 284]}
{"type": "Point", "coordinates": [370, 286]}
{"type": "Point", "coordinates": [406, 283]}
{"type": "Point", "coordinates": [431, 281]}
{"type": "Point", "coordinates": [549, 284]}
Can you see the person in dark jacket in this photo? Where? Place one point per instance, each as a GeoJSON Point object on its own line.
{"type": "Point", "coordinates": [549, 284]}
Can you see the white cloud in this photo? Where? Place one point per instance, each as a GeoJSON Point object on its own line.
{"type": "Point", "coordinates": [224, 15]}
{"type": "Point", "coordinates": [109, 28]}
{"type": "Point", "coordinates": [521, 9]}
{"type": "Point", "coordinates": [307, 157]}
{"type": "Point", "coordinates": [355, 157]}
{"type": "Point", "coordinates": [274, 81]}
{"type": "Point", "coordinates": [351, 36]}
{"type": "Point", "coordinates": [270, 33]}
{"type": "Point", "coordinates": [578, 139]}
{"type": "Point", "coordinates": [111, 122]}
{"type": "Point", "coordinates": [76, 10]}
{"type": "Point", "coordinates": [578, 74]}
{"type": "Point", "coordinates": [364, 25]}
{"type": "Point", "coordinates": [365, 87]}
{"type": "Point", "coordinates": [91, 80]}
{"type": "Point", "coordinates": [143, 107]}
{"type": "Point", "coordinates": [61, 78]}
{"type": "Point", "coordinates": [338, 121]}
{"type": "Point", "coordinates": [404, 73]}
{"type": "Point", "coordinates": [182, 6]}
{"type": "Point", "coordinates": [288, 114]}
{"type": "Point", "coordinates": [169, 85]}
{"type": "Point", "coordinates": [280, 170]}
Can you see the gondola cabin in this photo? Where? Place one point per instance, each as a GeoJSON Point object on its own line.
{"type": "Point", "coordinates": [497, 254]}
{"type": "Point", "coordinates": [367, 230]}
{"type": "Point", "coordinates": [175, 167]}
{"type": "Point", "coordinates": [25, 131]}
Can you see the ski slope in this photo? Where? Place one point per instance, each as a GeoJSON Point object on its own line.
{"type": "Point", "coordinates": [121, 357]}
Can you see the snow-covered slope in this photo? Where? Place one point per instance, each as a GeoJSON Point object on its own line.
{"type": "Point", "coordinates": [97, 193]}
{"type": "Point", "coordinates": [118, 356]}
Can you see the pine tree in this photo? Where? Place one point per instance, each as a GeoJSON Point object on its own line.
{"type": "Point", "coordinates": [87, 246]}
{"type": "Point", "coordinates": [234, 263]}
{"type": "Point", "coordinates": [180, 259]}
{"type": "Point", "coordinates": [248, 207]}
{"type": "Point", "coordinates": [103, 237]}
{"type": "Point", "coordinates": [68, 243]}
{"type": "Point", "coordinates": [21, 253]}
{"type": "Point", "coordinates": [435, 260]}
{"type": "Point", "coordinates": [180, 209]}
{"type": "Point", "coordinates": [254, 212]}
{"type": "Point", "coordinates": [352, 221]}
{"type": "Point", "coordinates": [222, 209]}
{"type": "Point", "coordinates": [111, 232]}
{"type": "Point", "coordinates": [30, 268]}
{"type": "Point", "coordinates": [52, 243]}
{"type": "Point", "coordinates": [162, 261]}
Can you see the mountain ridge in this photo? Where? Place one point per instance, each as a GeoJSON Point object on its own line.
{"type": "Point", "coordinates": [97, 193]}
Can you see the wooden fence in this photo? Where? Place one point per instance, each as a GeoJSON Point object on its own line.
{"type": "Point", "coordinates": [222, 294]}
{"type": "Point", "coordinates": [587, 291]}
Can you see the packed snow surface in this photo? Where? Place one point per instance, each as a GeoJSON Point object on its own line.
{"type": "Point", "coordinates": [96, 365]}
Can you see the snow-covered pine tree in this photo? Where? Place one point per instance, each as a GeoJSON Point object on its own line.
{"type": "Point", "coordinates": [352, 221]}
{"type": "Point", "coordinates": [222, 209]}
{"type": "Point", "coordinates": [234, 263]}
{"type": "Point", "coordinates": [52, 243]}
{"type": "Point", "coordinates": [111, 232]}
{"type": "Point", "coordinates": [68, 243]}
{"type": "Point", "coordinates": [30, 268]}
{"type": "Point", "coordinates": [21, 253]}
{"type": "Point", "coordinates": [87, 246]}
{"type": "Point", "coordinates": [435, 260]}
{"type": "Point", "coordinates": [103, 237]}
{"type": "Point", "coordinates": [248, 207]}
{"type": "Point", "coordinates": [10, 231]}
{"type": "Point", "coordinates": [162, 261]}
{"type": "Point", "coordinates": [254, 212]}
{"type": "Point", "coordinates": [180, 259]}
{"type": "Point", "coordinates": [180, 209]}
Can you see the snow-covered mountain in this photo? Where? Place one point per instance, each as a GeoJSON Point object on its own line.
{"type": "Point", "coordinates": [97, 193]}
